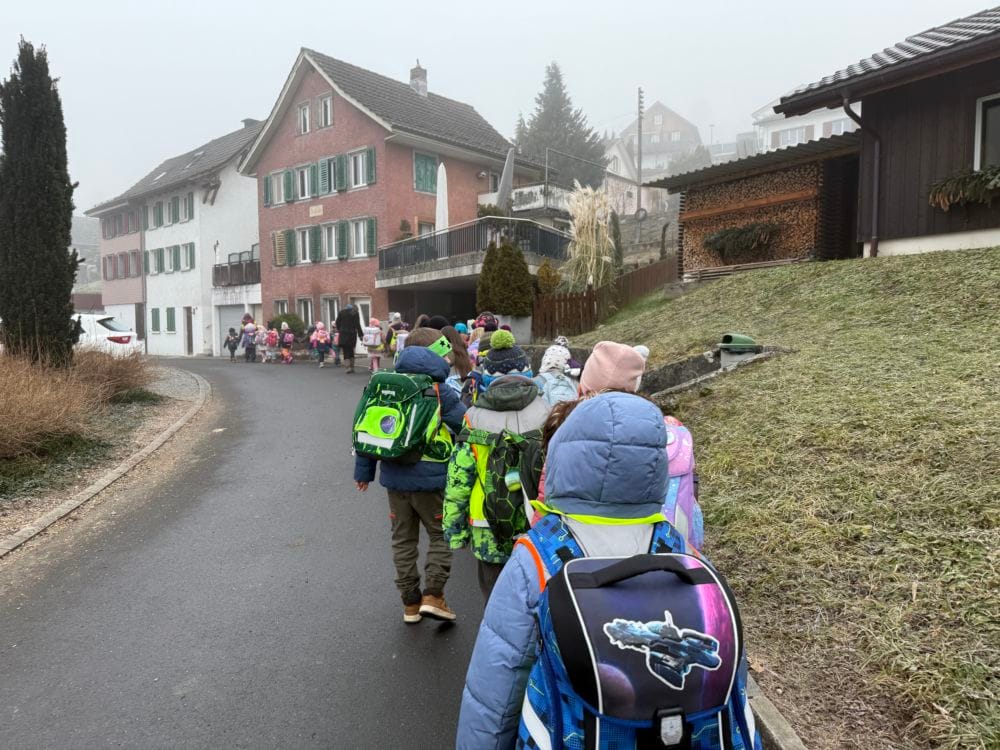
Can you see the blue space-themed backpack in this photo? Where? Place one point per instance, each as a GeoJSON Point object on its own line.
{"type": "Point", "coordinates": [635, 652]}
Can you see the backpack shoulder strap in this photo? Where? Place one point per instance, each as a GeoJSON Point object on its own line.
{"type": "Point", "coordinates": [551, 545]}
{"type": "Point", "coordinates": [668, 539]}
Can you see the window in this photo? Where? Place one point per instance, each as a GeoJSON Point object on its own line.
{"type": "Point", "coordinates": [790, 137]}
{"type": "Point", "coordinates": [171, 320]}
{"type": "Point", "coordinates": [359, 169]}
{"type": "Point", "coordinates": [187, 207]}
{"type": "Point", "coordinates": [331, 306]}
{"type": "Point", "coordinates": [158, 214]}
{"type": "Point", "coordinates": [330, 241]}
{"type": "Point", "coordinates": [425, 173]}
{"type": "Point", "coordinates": [326, 111]}
{"type": "Point", "coordinates": [108, 267]}
{"type": "Point", "coordinates": [281, 307]}
{"type": "Point", "coordinates": [675, 136]}
{"type": "Point", "coordinates": [154, 319]}
{"type": "Point", "coordinates": [654, 138]}
{"type": "Point", "coordinates": [187, 256]}
{"type": "Point", "coordinates": [134, 263]}
{"type": "Point", "coordinates": [303, 118]}
{"type": "Point", "coordinates": [657, 119]}
{"type": "Point", "coordinates": [121, 266]}
{"type": "Point", "coordinates": [494, 182]}
{"type": "Point", "coordinates": [170, 267]}
{"type": "Point", "coordinates": [425, 227]}
{"type": "Point", "coordinates": [987, 149]}
{"type": "Point", "coordinates": [302, 181]}
{"type": "Point", "coordinates": [359, 244]}
{"type": "Point", "coordinates": [838, 127]}
{"type": "Point", "coordinates": [305, 310]}
{"type": "Point", "coordinates": [174, 210]}
{"type": "Point", "coordinates": [304, 245]}
{"type": "Point", "coordinates": [277, 194]}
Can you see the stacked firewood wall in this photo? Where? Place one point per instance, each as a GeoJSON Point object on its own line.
{"type": "Point", "coordinates": [798, 220]}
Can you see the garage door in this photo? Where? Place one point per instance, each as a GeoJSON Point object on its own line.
{"type": "Point", "coordinates": [230, 316]}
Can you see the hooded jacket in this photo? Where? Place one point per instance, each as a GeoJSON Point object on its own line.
{"type": "Point", "coordinates": [423, 476]}
{"type": "Point", "coordinates": [510, 403]}
{"type": "Point", "coordinates": [607, 468]}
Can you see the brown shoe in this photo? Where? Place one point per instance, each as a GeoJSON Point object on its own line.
{"type": "Point", "coordinates": [411, 613]}
{"type": "Point", "coordinates": [436, 608]}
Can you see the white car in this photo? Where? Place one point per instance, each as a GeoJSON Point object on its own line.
{"type": "Point", "coordinates": [105, 333]}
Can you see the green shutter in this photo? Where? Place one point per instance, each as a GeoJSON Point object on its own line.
{"type": "Point", "coordinates": [190, 200]}
{"type": "Point", "coordinates": [324, 176]}
{"type": "Point", "coordinates": [370, 237]}
{"type": "Point", "coordinates": [289, 184]}
{"type": "Point", "coordinates": [290, 246]}
{"type": "Point", "coordinates": [342, 228]}
{"type": "Point", "coordinates": [314, 180]}
{"type": "Point", "coordinates": [190, 254]}
{"type": "Point", "coordinates": [171, 320]}
{"type": "Point", "coordinates": [158, 214]}
{"type": "Point", "coordinates": [176, 250]}
{"type": "Point", "coordinates": [370, 166]}
{"type": "Point", "coordinates": [154, 319]}
{"type": "Point", "coordinates": [267, 190]}
{"type": "Point", "coordinates": [340, 172]}
{"type": "Point", "coordinates": [145, 218]}
{"type": "Point", "coordinates": [145, 262]}
{"type": "Point", "coordinates": [315, 243]}
{"type": "Point", "coordinates": [175, 209]}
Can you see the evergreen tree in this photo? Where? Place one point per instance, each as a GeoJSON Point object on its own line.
{"type": "Point", "coordinates": [36, 211]}
{"type": "Point", "coordinates": [556, 124]}
{"type": "Point", "coordinates": [520, 131]}
{"type": "Point", "coordinates": [615, 230]}
{"type": "Point", "coordinates": [505, 285]}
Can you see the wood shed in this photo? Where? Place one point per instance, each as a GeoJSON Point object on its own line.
{"type": "Point", "coordinates": [804, 197]}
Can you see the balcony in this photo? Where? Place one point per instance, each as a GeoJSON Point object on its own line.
{"type": "Point", "coordinates": [466, 242]}
{"type": "Point", "coordinates": [536, 197]}
{"type": "Point", "coordinates": [236, 273]}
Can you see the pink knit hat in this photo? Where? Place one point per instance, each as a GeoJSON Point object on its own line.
{"type": "Point", "coordinates": [612, 365]}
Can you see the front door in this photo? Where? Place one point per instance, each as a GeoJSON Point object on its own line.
{"type": "Point", "coordinates": [364, 308]}
{"type": "Point", "coordinates": [188, 332]}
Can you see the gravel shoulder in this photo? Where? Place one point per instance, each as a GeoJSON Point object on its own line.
{"type": "Point", "coordinates": [122, 430]}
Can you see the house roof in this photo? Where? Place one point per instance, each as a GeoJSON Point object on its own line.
{"type": "Point", "coordinates": [398, 108]}
{"type": "Point", "coordinates": [918, 56]}
{"type": "Point", "coordinates": [810, 151]}
{"type": "Point", "coordinates": [189, 166]}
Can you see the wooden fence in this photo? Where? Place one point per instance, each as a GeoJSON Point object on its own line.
{"type": "Point", "coordinates": [578, 312]}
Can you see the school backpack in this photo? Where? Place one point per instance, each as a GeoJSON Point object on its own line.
{"type": "Point", "coordinates": [680, 507]}
{"type": "Point", "coordinates": [508, 475]}
{"type": "Point", "coordinates": [287, 338]}
{"type": "Point", "coordinates": [635, 652]}
{"type": "Point", "coordinates": [555, 388]}
{"type": "Point", "coordinates": [399, 419]}
{"type": "Point", "coordinates": [272, 338]}
{"type": "Point", "coordinates": [372, 336]}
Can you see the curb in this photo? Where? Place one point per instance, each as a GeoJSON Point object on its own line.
{"type": "Point", "coordinates": [775, 731]}
{"type": "Point", "coordinates": [15, 540]}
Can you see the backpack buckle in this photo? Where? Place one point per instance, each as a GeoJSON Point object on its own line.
{"type": "Point", "coordinates": [669, 723]}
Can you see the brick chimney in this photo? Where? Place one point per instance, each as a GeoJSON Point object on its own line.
{"type": "Point", "coordinates": [249, 121]}
{"type": "Point", "coordinates": [418, 79]}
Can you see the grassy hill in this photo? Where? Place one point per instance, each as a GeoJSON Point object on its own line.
{"type": "Point", "coordinates": [852, 489]}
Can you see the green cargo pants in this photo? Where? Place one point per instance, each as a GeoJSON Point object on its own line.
{"type": "Point", "coordinates": [407, 511]}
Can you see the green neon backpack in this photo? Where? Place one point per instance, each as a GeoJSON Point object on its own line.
{"type": "Point", "coordinates": [399, 419]}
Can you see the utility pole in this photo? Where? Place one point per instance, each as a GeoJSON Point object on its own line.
{"type": "Point", "coordinates": [638, 172]}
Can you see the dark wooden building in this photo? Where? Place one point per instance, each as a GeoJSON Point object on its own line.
{"type": "Point", "coordinates": [930, 110]}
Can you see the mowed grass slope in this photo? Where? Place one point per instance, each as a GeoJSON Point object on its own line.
{"type": "Point", "coordinates": [852, 489]}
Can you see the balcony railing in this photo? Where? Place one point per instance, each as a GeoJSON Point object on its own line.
{"type": "Point", "coordinates": [473, 237]}
{"type": "Point", "coordinates": [536, 197]}
{"type": "Point", "coordinates": [236, 273]}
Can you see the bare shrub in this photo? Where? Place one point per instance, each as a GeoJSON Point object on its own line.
{"type": "Point", "coordinates": [111, 376]}
{"type": "Point", "coordinates": [41, 404]}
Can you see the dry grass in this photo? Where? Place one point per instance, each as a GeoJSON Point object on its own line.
{"type": "Point", "coordinates": [41, 405]}
{"type": "Point", "coordinates": [852, 489]}
{"type": "Point", "coordinates": [111, 376]}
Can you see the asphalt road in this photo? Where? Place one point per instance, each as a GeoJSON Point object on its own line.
{"type": "Point", "coordinates": [245, 600]}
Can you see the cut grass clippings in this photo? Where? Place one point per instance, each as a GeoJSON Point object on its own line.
{"type": "Point", "coordinates": [851, 489]}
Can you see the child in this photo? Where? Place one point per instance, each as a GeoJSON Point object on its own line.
{"type": "Point", "coordinates": [260, 342]}
{"type": "Point", "coordinates": [287, 340]}
{"type": "Point", "coordinates": [415, 497]}
{"type": "Point", "coordinates": [232, 344]}
{"type": "Point", "coordinates": [552, 379]}
{"type": "Point", "coordinates": [271, 351]}
{"type": "Point", "coordinates": [320, 342]}
{"type": "Point", "coordinates": [250, 343]}
{"type": "Point", "coordinates": [372, 339]}
{"type": "Point", "coordinates": [607, 477]}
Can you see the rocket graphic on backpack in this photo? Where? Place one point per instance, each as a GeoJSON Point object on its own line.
{"type": "Point", "coordinates": [635, 652]}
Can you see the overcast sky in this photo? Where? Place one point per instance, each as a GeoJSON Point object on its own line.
{"type": "Point", "coordinates": [141, 82]}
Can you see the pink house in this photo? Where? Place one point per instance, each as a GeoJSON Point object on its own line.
{"type": "Point", "coordinates": [121, 261]}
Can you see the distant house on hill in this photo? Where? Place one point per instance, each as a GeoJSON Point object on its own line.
{"type": "Point", "coordinates": [666, 136]}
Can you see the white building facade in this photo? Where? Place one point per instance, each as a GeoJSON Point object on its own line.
{"type": "Point", "coordinates": [776, 131]}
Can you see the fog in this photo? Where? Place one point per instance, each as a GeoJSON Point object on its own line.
{"type": "Point", "coordinates": [142, 82]}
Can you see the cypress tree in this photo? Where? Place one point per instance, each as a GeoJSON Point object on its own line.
{"type": "Point", "coordinates": [615, 230]}
{"type": "Point", "coordinates": [37, 271]}
{"type": "Point", "coordinates": [505, 285]}
{"type": "Point", "coordinates": [556, 124]}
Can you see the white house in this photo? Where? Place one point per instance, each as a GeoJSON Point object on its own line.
{"type": "Point", "coordinates": [776, 131]}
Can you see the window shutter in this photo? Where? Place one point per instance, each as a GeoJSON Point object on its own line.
{"type": "Point", "coordinates": [315, 243]}
{"type": "Point", "coordinates": [190, 205]}
{"type": "Point", "coordinates": [267, 190]}
{"type": "Point", "coordinates": [290, 246]}
{"type": "Point", "coordinates": [175, 209]}
{"type": "Point", "coordinates": [314, 180]}
{"type": "Point", "coordinates": [324, 176]}
{"type": "Point", "coordinates": [289, 185]}
{"type": "Point", "coordinates": [810, 132]}
{"type": "Point", "coordinates": [190, 255]}
{"type": "Point", "coordinates": [340, 172]}
{"type": "Point", "coordinates": [342, 240]}
{"type": "Point", "coordinates": [280, 249]}
{"type": "Point", "coordinates": [159, 259]}
{"type": "Point", "coordinates": [370, 237]}
{"type": "Point", "coordinates": [171, 320]}
{"type": "Point", "coordinates": [154, 319]}
{"type": "Point", "coordinates": [370, 165]}
{"type": "Point", "coordinates": [145, 218]}
{"type": "Point", "coordinates": [145, 262]}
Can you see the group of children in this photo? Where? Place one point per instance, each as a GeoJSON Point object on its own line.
{"type": "Point", "coordinates": [568, 463]}
{"type": "Point", "coordinates": [265, 341]}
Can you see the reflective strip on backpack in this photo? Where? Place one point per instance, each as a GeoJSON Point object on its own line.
{"type": "Point", "coordinates": [534, 725]}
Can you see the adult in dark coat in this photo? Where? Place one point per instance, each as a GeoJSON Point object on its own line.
{"type": "Point", "coordinates": [348, 325]}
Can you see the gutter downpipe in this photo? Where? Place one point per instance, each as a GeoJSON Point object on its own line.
{"type": "Point", "coordinates": [876, 168]}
